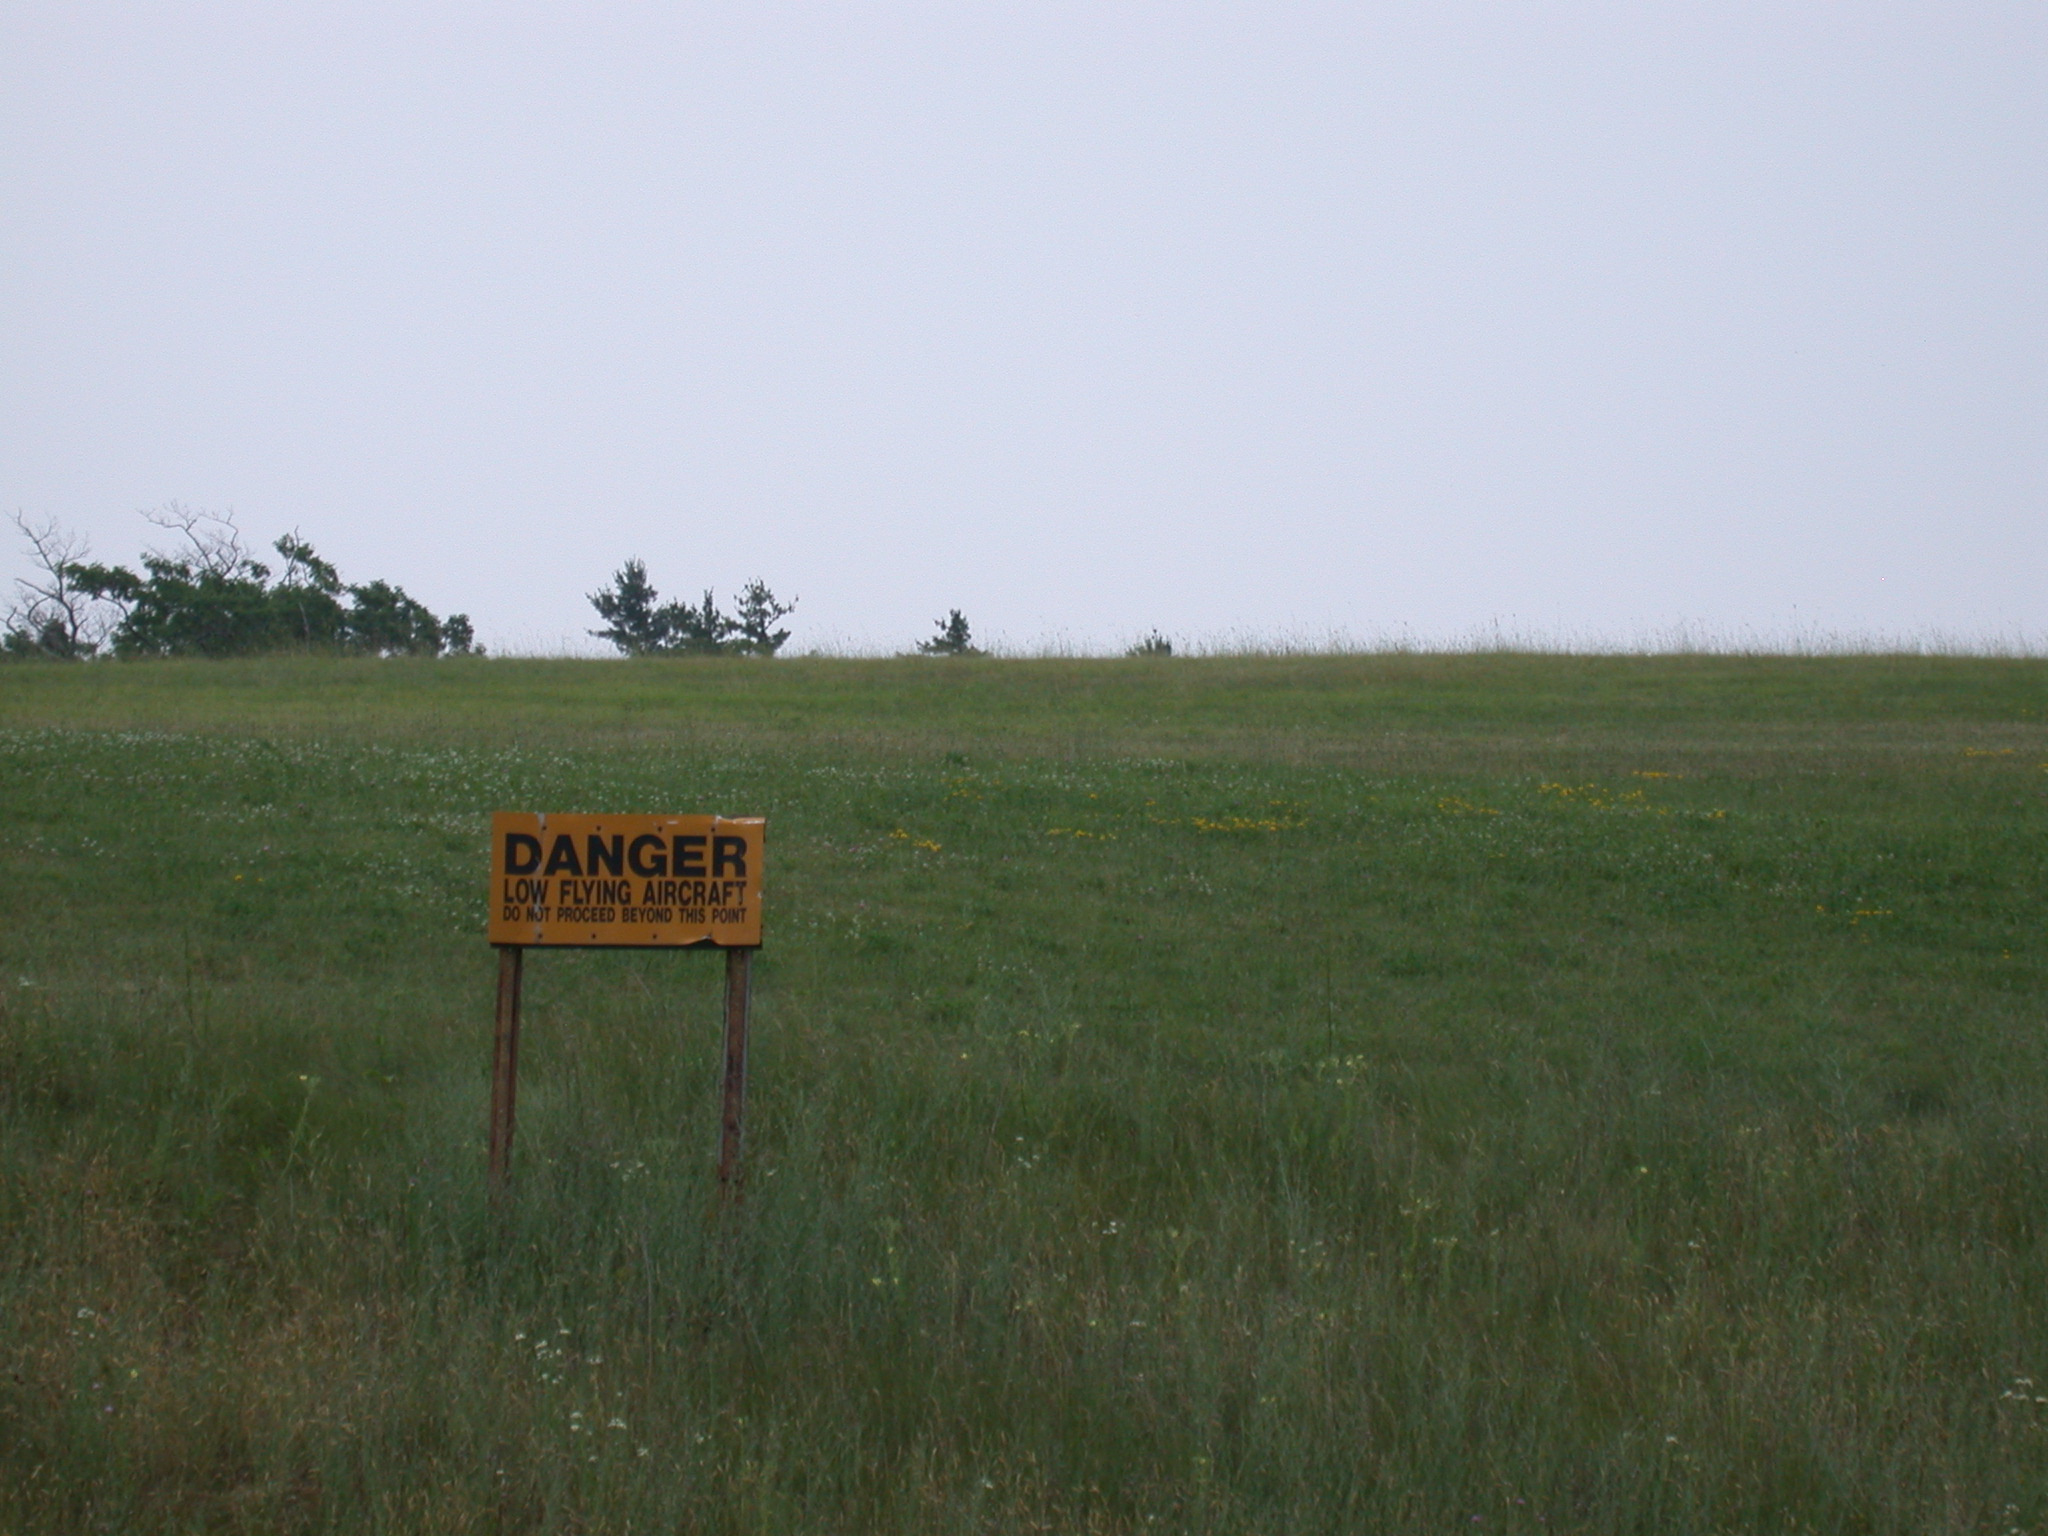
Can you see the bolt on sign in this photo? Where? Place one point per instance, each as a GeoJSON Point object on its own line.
{"type": "Point", "coordinates": [626, 881]}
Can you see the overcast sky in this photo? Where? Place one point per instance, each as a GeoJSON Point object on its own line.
{"type": "Point", "coordinates": [1279, 320]}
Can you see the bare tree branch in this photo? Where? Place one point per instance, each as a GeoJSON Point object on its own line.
{"type": "Point", "coordinates": [214, 542]}
{"type": "Point", "coordinates": [50, 613]}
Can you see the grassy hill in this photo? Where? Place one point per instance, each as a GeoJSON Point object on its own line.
{"type": "Point", "coordinates": [1350, 1093]}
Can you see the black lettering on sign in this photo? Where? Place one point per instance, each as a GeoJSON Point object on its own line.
{"type": "Point", "coordinates": [690, 855]}
{"type": "Point", "coordinates": [562, 858]}
{"type": "Point", "coordinates": [647, 856]}
{"type": "Point", "coordinates": [586, 892]}
{"type": "Point", "coordinates": [729, 853]}
{"type": "Point", "coordinates": [603, 860]}
{"type": "Point", "coordinates": [522, 853]}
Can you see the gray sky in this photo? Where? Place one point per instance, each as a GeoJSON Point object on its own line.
{"type": "Point", "coordinates": [1275, 320]}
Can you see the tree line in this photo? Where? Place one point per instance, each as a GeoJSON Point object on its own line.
{"type": "Point", "coordinates": [639, 623]}
{"type": "Point", "coordinates": [211, 596]}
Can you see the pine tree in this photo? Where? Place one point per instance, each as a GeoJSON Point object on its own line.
{"type": "Point", "coordinates": [700, 631]}
{"type": "Point", "coordinates": [640, 624]}
{"type": "Point", "coordinates": [634, 619]}
{"type": "Point", "coordinates": [953, 638]}
{"type": "Point", "coordinates": [755, 622]}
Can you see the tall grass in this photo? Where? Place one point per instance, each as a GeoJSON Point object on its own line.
{"type": "Point", "coordinates": [1293, 1095]}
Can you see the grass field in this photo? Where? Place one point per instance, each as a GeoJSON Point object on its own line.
{"type": "Point", "coordinates": [1334, 1094]}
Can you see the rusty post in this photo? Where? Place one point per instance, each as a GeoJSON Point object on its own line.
{"type": "Point", "coordinates": [505, 1064]}
{"type": "Point", "coordinates": [739, 990]}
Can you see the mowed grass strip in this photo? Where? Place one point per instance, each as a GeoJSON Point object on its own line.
{"type": "Point", "coordinates": [1241, 1095]}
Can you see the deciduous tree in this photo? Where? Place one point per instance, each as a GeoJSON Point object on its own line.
{"type": "Point", "coordinates": [212, 597]}
{"type": "Point", "coordinates": [52, 615]}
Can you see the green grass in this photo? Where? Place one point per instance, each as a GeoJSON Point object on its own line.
{"type": "Point", "coordinates": [1302, 1094]}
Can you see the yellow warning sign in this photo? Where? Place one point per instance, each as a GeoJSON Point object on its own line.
{"type": "Point", "coordinates": [633, 882]}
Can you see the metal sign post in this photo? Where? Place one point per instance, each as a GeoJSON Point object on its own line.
{"type": "Point", "coordinates": [624, 882]}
